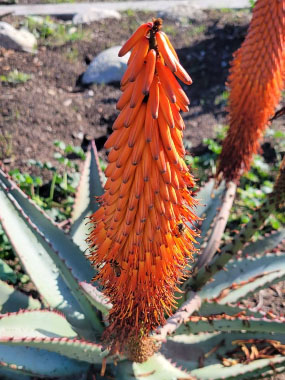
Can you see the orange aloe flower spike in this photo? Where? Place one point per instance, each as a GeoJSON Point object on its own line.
{"type": "Point", "coordinates": [136, 241]}
{"type": "Point", "coordinates": [255, 83]}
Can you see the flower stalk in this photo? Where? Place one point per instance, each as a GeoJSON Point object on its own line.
{"type": "Point", "coordinates": [142, 240]}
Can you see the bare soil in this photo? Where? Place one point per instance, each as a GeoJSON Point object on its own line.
{"type": "Point", "coordinates": [53, 106]}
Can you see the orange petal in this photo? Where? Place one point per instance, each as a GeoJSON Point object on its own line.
{"type": "Point", "coordinates": [135, 37]}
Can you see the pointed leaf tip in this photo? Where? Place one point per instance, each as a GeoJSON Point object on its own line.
{"type": "Point", "coordinates": [90, 187]}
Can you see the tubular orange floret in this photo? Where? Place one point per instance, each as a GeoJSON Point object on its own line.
{"type": "Point", "coordinates": [255, 82]}
{"type": "Point", "coordinates": [141, 230]}
{"type": "Point", "coordinates": [138, 34]}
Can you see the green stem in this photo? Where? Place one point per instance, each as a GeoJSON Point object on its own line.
{"type": "Point", "coordinates": [52, 186]}
{"type": "Point", "coordinates": [65, 181]}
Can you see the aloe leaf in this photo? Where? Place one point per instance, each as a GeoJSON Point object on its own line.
{"type": "Point", "coordinates": [72, 348]}
{"type": "Point", "coordinates": [36, 257]}
{"type": "Point", "coordinates": [243, 277]}
{"type": "Point", "coordinates": [240, 371]}
{"type": "Point", "coordinates": [35, 323]}
{"type": "Point", "coordinates": [214, 308]}
{"type": "Point", "coordinates": [219, 224]}
{"type": "Point", "coordinates": [210, 200]}
{"type": "Point", "coordinates": [12, 300]}
{"type": "Point", "coordinates": [155, 368]}
{"type": "Point", "coordinates": [265, 244]}
{"type": "Point", "coordinates": [90, 186]}
{"type": "Point", "coordinates": [206, 349]}
{"type": "Point", "coordinates": [10, 374]}
{"type": "Point", "coordinates": [198, 280]}
{"type": "Point", "coordinates": [7, 273]}
{"type": "Point", "coordinates": [27, 361]}
{"type": "Point", "coordinates": [96, 298]}
{"type": "Point", "coordinates": [58, 240]}
{"type": "Point", "coordinates": [226, 323]}
{"type": "Point", "coordinates": [48, 330]}
{"type": "Point", "coordinates": [208, 196]}
{"type": "Point", "coordinates": [46, 269]}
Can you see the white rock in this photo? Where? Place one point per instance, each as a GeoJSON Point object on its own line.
{"type": "Point", "coordinates": [183, 13]}
{"type": "Point", "coordinates": [106, 67]}
{"type": "Point", "coordinates": [11, 38]}
{"type": "Point", "coordinates": [95, 15]}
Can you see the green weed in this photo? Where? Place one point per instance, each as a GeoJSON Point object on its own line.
{"type": "Point", "coordinates": [171, 30]}
{"type": "Point", "coordinates": [72, 54]}
{"type": "Point", "coordinates": [254, 185]}
{"type": "Point", "coordinates": [226, 10]}
{"type": "Point", "coordinates": [57, 197]}
{"type": "Point", "coordinates": [51, 32]}
{"type": "Point", "coordinates": [222, 99]}
{"type": "Point", "coordinates": [129, 12]}
{"type": "Point", "coordinates": [196, 30]}
{"type": "Point", "coordinates": [15, 77]}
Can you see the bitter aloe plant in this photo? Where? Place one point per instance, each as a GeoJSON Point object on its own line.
{"type": "Point", "coordinates": [59, 335]}
{"type": "Point", "coordinates": [73, 330]}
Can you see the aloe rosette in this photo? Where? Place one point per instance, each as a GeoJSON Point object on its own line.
{"type": "Point", "coordinates": [210, 336]}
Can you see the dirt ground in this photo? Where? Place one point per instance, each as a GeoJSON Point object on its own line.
{"type": "Point", "coordinates": [52, 104]}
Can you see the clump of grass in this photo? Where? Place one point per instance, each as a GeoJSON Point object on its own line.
{"type": "Point", "coordinates": [51, 32]}
{"type": "Point", "coordinates": [72, 54]}
{"type": "Point", "coordinates": [196, 30]}
{"type": "Point", "coordinates": [129, 12]}
{"type": "Point", "coordinates": [222, 99]}
{"type": "Point", "coordinates": [15, 77]}
{"type": "Point", "coordinates": [170, 29]}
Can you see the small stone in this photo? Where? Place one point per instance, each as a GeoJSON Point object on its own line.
{"type": "Point", "coordinates": [78, 135]}
{"type": "Point", "coordinates": [51, 92]}
{"type": "Point", "coordinates": [90, 93]}
{"type": "Point", "coordinates": [14, 39]}
{"type": "Point", "coordinates": [95, 15]}
{"type": "Point", "coordinates": [107, 67]}
{"type": "Point", "coordinates": [67, 102]}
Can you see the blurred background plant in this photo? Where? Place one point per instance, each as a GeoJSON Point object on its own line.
{"type": "Point", "coordinates": [50, 32]}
